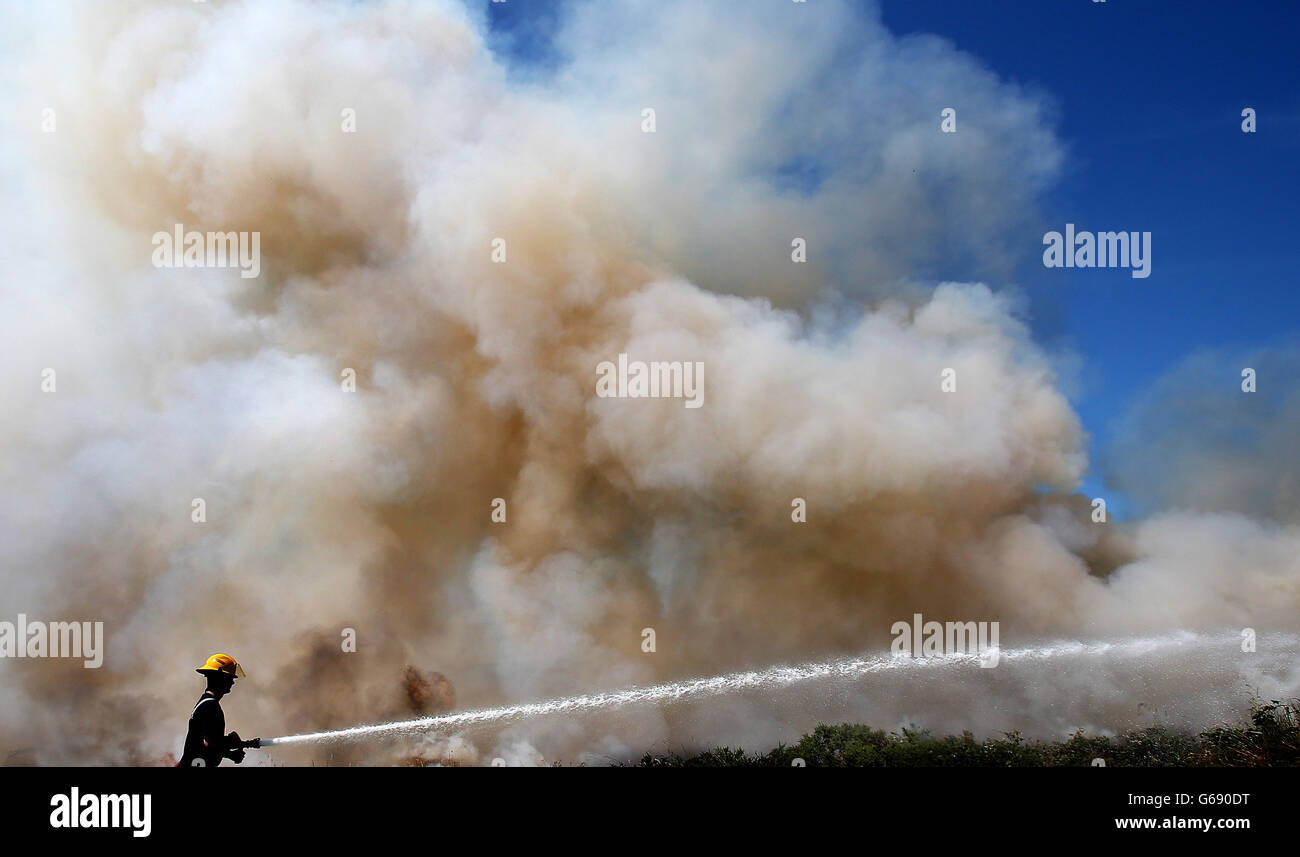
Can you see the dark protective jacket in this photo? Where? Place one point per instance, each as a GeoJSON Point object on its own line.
{"type": "Point", "coordinates": [205, 743]}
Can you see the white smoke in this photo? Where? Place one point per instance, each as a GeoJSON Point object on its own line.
{"type": "Point", "coordinates": [329, 510]}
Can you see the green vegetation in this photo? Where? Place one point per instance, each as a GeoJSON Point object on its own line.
{"type": "Point", "coordinates": [1271, 738]}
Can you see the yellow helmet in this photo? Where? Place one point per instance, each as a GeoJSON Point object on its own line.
{"type": "Point", "coordinates": [220, 663]}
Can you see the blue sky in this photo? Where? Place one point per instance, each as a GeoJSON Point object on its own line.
{"type": "Point", "coordinates": [1148, 98]}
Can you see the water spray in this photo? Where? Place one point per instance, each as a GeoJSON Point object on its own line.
{"type": "Point", "coordinates": [772, 677]}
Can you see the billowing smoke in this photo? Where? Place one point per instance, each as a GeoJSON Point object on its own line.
{"type": "Point", "coordinates": [381, 149]}
{"type": "Point", "coordinates": [1196, 443]}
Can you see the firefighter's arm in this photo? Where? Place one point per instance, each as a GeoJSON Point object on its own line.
{"type": "Point", "coordinates": [209, 729]}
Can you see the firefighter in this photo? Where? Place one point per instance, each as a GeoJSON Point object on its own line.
{"type": "Point", "coordinates": [205, 745]}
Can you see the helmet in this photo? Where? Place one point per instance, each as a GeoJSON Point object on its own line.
{"type": "Point", "coordinates": [220, 663]}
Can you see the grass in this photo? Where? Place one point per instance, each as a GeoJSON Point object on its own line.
{"type": "Point", "coordinates": [1270, 739]}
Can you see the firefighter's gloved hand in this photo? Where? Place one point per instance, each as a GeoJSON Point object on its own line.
{"type": "Point", "coordinates": [234, 751]}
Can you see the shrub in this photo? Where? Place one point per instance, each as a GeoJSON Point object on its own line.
{"type": "Point", "coordinates": [1272, 738]}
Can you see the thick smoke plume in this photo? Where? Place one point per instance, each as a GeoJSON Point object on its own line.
{"type": "Point", "coordinates": [475, 380]}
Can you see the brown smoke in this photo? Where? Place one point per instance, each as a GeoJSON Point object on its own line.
{"type": "Point", "coordinates": [330, 511]}
{"type": "Point", "coordinates": [433, 694]}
